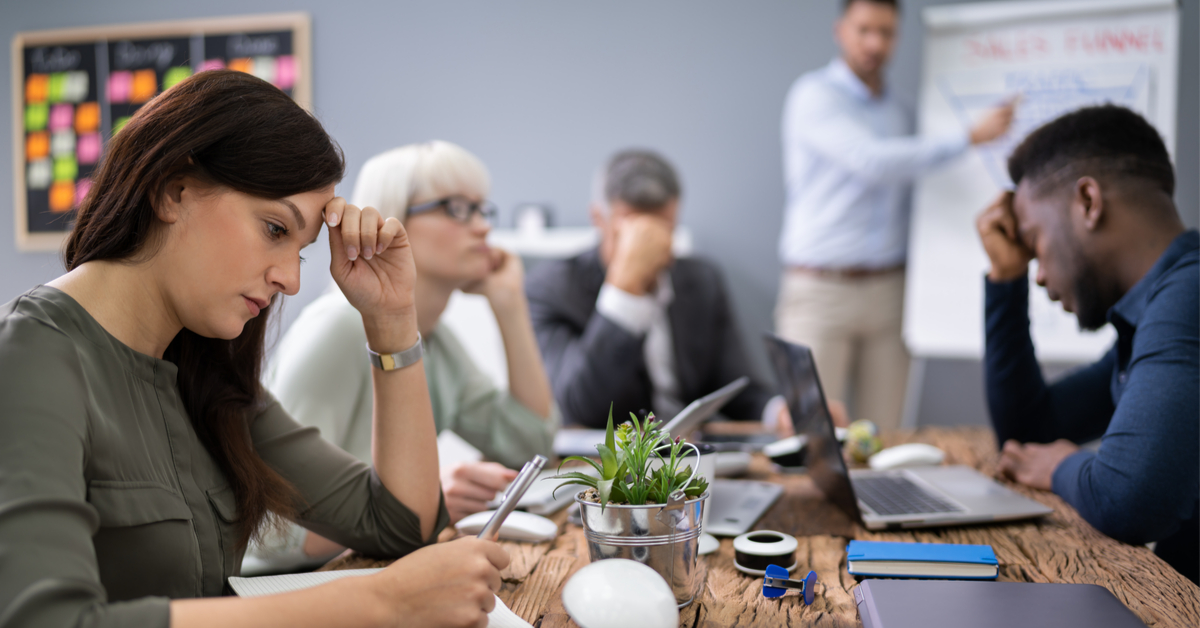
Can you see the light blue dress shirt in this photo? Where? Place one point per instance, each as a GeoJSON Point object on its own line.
{"type": "Point", "coordinates": [849, 160]}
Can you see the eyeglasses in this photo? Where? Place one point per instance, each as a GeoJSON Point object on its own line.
{"type": "Point", "coordinates": [457, 208]}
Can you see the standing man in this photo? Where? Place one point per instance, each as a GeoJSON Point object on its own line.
{"type": "Point", "coordinates": [849, 160]}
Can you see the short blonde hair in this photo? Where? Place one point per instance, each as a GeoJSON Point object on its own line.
{"type": "Point", "coordinates": [392, 181]}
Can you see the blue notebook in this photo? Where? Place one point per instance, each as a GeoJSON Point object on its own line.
{"type": "Point", "coordinates": [921, 560]}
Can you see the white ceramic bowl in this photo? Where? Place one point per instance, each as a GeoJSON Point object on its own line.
{"type": "Point", "coordinates": [620, 593]}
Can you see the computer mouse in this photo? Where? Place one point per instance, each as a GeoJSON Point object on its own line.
{"type": "Point", "coordinates": [907, 455]}
{"type": "Point", "coordinates": [620, 593]}
{"type": "Point", "coordinates": [519, 526]}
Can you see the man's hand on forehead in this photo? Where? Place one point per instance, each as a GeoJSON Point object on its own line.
{"type": "Point", "coordinates": [1001, 238]}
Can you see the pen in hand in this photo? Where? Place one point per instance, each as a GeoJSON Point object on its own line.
{"type": "Point", "coordinates": [513, 495]}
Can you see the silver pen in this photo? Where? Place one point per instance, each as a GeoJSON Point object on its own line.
{"type": "Point", "coordinates": [524, 480]}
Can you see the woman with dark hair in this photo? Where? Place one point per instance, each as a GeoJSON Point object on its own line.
{"type": "Point", "coordinates": [138, 451]}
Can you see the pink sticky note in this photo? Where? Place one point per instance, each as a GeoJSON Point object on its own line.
{"type": "Point", "coordinates": [81, 189]}
{"type": "Point", "coordinates": [119, 86]}
{"type": "Point", "coordinates": [87, 148]}
{"type": "Point", "coordinates": [62, 117]}
{"type": "Point", "coordinates": [212, 64]}
{"type": "Point", "coordinates": [285, 72]}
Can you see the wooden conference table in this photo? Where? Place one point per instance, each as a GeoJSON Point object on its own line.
{"type": "Point", "coordinates": [1060, 547]}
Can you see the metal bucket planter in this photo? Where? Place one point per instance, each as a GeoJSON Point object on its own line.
{"type": "Point", "coordinates": [664, 537]}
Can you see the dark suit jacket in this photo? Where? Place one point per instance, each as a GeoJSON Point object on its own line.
{"type": "Point", "coordinates": [592, 361]}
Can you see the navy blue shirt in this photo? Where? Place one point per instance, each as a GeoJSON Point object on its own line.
{"type": "Point", "coordinates": [1142, 399]}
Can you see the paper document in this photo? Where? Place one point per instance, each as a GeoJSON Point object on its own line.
{"type": "Point", "coordinates": [452, 449]}
{"type": "Point", "coordinates": [500, 617]}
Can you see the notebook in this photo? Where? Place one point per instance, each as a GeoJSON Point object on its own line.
{"type": "Point", "coordinates": [958, 603]}
{"type": "Point", "coordinates": [500, 617]}
{"type": "Point", "coordinates": [921, 560]}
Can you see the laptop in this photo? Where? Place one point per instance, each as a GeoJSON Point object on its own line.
{"type": "Point", "coordinates": [704, 408]}
{"type": "Point", "coordinates": [899, 498]}
{"type": "Point", "coordinates": [571, 442]}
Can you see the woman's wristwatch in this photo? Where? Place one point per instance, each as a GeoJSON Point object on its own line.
{"type": "Point", "coordinates": [394, 361]}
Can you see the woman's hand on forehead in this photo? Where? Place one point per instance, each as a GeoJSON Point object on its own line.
{"type": "Point", "coordinates": [371, 259]}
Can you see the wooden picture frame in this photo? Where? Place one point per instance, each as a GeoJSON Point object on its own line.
{"type": "Point", "coordinates": [75, 88]}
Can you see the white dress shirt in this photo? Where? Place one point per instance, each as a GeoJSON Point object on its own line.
{"type": "Point", "coordinates": [849, 160]}
{"type": "Point", "coordinates": [647, 314]}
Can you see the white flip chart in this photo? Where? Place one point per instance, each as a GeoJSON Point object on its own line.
{"type": "Point", "coordinates": [1059, 56]}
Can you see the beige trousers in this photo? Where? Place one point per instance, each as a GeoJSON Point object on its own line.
{"type": "Point", "coordinates": [853, 327]}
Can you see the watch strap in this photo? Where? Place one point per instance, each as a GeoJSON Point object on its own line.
{"type": "Point", "coordinates": [394, 361]}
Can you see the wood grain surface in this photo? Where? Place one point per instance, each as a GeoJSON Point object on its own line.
{"type": "Point", "coordinates": [1060, 547]}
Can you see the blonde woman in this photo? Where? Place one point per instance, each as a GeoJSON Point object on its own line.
{"type": "Point", "coordinates": [439, 191]}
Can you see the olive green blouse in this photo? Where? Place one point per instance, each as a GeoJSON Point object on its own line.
{"type": "Point", "coordinates": [109, 503]}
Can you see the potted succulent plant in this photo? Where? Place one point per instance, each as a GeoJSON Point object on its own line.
{"type": "Point", "coordinates": [646, 512]}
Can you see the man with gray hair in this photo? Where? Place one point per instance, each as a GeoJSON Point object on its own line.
{"type": "Point", "coordinates": [628, 324]}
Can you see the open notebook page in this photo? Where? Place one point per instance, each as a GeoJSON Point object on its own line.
{"type": "Point", "coordinates": [500, 617]}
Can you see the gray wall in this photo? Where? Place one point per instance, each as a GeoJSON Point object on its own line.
{"type": "Point", "coordinates": [544, 90]}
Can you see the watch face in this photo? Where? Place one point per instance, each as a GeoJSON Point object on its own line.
{"type": "Point", "coordinates": [387, 362]}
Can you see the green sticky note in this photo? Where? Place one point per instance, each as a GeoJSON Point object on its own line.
{"type": "Point", "coordinates": [174, 75]}
{"type": "Point", "coordinates": [58, 87]}
{"type": "Point", "coordinates": [36, 116]}
{"type": "Point", "coordinates": [119, 124]}
{"type": "Point", "coordinates": [65, 168]}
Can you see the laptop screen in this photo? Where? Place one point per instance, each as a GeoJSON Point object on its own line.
{"type": "Point", "coordinates": [797, 373]}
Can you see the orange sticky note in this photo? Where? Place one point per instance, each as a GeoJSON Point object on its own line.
{"type": "Point", "coordinates": [144, 86]}
{"type": "Point", "coordinates": [37, 88]}
{"type": "Point", "coordinates": [37, 146]}
{"type": "Point", "coordinates": [87, 118]}
{"type": "Point", "coordinates": [242, 65]}
{"type": "Point", "coordinates": [62, 196]}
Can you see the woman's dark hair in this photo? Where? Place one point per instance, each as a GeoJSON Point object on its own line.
{"type": "Point", "coordinates": [229, 130]}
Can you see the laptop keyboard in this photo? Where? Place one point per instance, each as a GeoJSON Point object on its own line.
{"type": "Point", "coordinates": [898, 495]}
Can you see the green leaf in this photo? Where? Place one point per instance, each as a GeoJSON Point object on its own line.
{"type": "Point", "coordinates": [591, 484]}
{"type": "Point", "coordinates": [611, 465]}
{"type": "Point", "coordinates": [608, 433]}
{"type": "Point", "coordinates": [595, 465]}
{"type": "Point", "coordinates": [575, 475]}
{"type": "Point", "coordinates": [604, 488]}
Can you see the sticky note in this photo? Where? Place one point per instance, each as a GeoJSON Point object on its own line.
{"type": "Point", "coordinates": [61, 117]}
{"type": "Point", "coordinates": [36, 116]}
{"type": "Point", "coordinates": [119, 86]}
{"type": "Point", "coordinates": [37, 146]}
{"type": "Point", "coordinates": [119, 124]}
{"type": "Point", "coordinates": [144, 86]}
{"type": "Point", "coordinates": [87, 117]}
{"type": "Point", "coordinates": [58, 83]}
{"type": "Point", "coordinates": [62, 196]}
{"type": "Point", "coordinates": [38, 175]}
{"type": "Point", "coordinates": [37, 88]}
{"type": "Point", "coordinates": [212, 64]}
{"type": "Point", "coordinates": [285, 72]}
{"type": "Point", "coordinates": [62, 143]}
{"type": "Point", "coordinates": [174, 75]}
{"type": "Point", "coordinates": [242, 65]}
{"type": "Point", "coordinates": [82, 187]}
{"type": "Point", "coordinates": [87, 149]}
{"type": "Point", "coordinates": [65, 168]}
{"type": "Point", "coordinates": [75, 86]}
{"type": "Point", "coordinates": [264, 68]}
